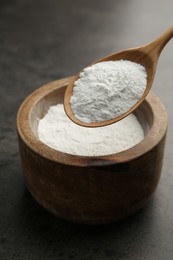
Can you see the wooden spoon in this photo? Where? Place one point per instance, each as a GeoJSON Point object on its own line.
{"type": "Point", "coordinates": [147, 55]}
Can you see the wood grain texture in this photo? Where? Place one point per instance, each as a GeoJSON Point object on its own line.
{"type": "Point", "coordinates": [90, 190]}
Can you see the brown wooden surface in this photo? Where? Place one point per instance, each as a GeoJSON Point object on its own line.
{"type": "Point", "coordinates": [92, 190]}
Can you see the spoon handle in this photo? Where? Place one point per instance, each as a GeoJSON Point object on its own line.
{"type": "Point", "coordinates": [158, 44]}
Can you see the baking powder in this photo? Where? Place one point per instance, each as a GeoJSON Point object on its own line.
{"type": "Point", "coordinates": [107, 90]}
{"type": "Point", "coordinates": [56, 130]}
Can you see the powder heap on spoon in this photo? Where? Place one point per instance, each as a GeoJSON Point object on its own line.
{"type": "Point", "coordinates": [107, 90]}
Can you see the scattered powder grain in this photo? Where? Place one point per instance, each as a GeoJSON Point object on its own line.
{"type": "Point", "coordinates": [108, 89]}
{"type": "Point", "coordinates": [59, 132]}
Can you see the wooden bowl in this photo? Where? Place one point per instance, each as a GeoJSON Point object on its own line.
{"type": "Point", "coordinates": [90, 190]}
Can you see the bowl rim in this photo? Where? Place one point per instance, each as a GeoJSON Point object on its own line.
{"type": "Point", "coordinates": [153, 137]}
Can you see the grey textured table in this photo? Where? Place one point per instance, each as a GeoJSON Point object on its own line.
{"type": "Point", "coordinates": [41, 41]}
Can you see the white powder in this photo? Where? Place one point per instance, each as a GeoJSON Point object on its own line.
{"type": "Point", "coordinates": [107, 90]}
{"type": "Point", "coordinates": [59, 132]}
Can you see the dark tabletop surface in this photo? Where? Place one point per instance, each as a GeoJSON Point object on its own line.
{"type": "Point", "coordinates": [41, 41]}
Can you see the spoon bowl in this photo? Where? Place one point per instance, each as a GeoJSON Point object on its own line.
{"type": "Point", "coordinates": [146, 55]}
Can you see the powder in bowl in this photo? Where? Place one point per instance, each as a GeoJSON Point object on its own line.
{"type": "Point", "coordinates": [107, 90]}
{"type": "Point", "coordinates": [56, 130]}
